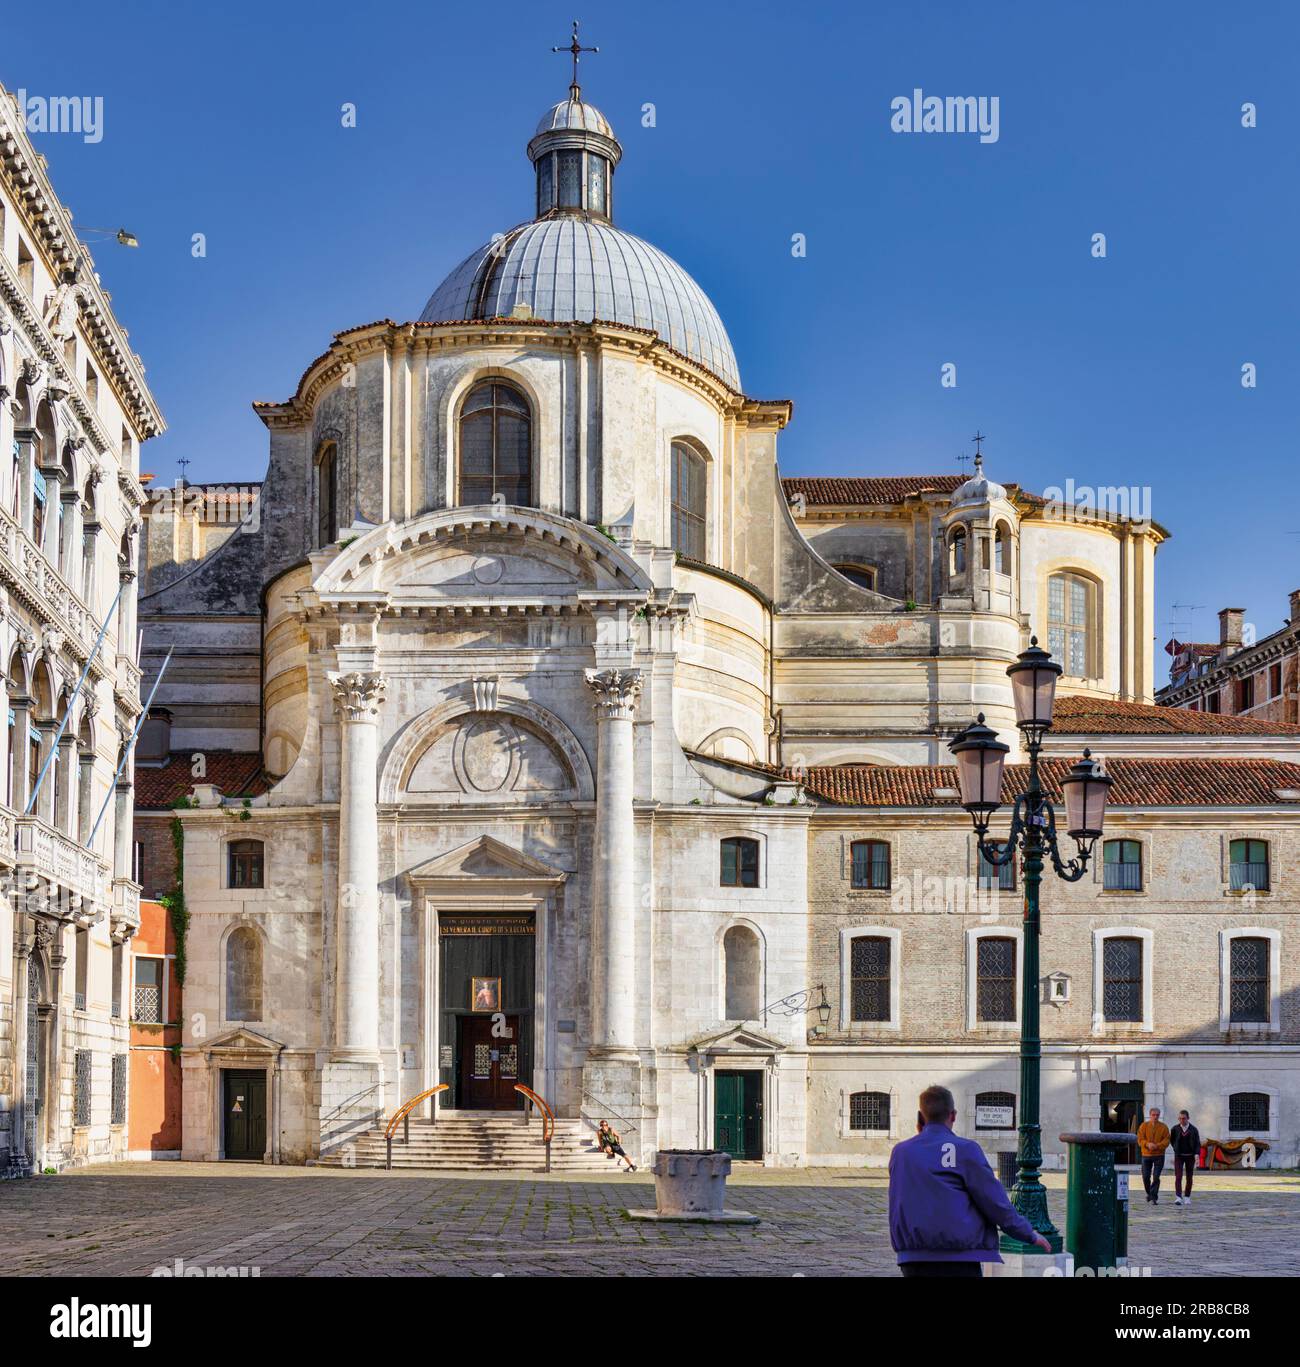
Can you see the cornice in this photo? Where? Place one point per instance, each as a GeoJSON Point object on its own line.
{"type": "Point", "coordinates": [356, 344]}
{"type": "Point", "coordinates": [51, 224]}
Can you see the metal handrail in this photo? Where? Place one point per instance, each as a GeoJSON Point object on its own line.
{"type": "Point", "coordinates": [403, 1114]}
{"type": "Point", "coordinates": [356, 1096]}
{"type": "Point", "coordinates": [548, 1118]}
{"type": "Point", "coordinates": [627, 1124]}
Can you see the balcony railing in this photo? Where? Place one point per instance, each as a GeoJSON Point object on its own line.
{"type": "Point", "coordinates": [1122, 877]}
{"type": "Point", "coordinates": [126, 906]}
{"type": "Point", "coordinates": [55, 598]}
{"type": "Point", "coordinates": [1248, 876]}
{"type": "Point", "coordinates": [59, 859]}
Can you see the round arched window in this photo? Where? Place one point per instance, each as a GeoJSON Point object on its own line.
{"type": "Point", "coordinates": [496, 446]}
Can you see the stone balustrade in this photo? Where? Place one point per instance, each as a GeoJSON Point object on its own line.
{"type": "Point", "coordinates": [126, 907]}
{"type": "Point", "coordinates": [31, 576]}
{"type": "Point", "coordinates": [66, 865]}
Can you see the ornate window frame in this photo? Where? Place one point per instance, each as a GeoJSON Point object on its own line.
{"type": "Point", "coordinates": [1273, 1025]}
{"type": "Point", "coordinates": [895, 937]}
{"type": "Point", "coordinates": [1100, 1025]}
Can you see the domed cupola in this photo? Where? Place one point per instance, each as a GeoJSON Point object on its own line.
{"type": "Point", "coordinates": [571, 264]}
{"type": "Point", "coordinates": [977, 489]}
{"type": "Point", "coordinates": [574, 154]}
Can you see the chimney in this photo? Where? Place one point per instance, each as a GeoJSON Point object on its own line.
{"type": "Point", "coordinates": [1230, 628]}
{"type": "Point", "coordinates": [1295, 607]}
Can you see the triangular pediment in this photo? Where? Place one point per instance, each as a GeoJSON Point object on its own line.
{"type": "Point", "coordinates": [243, 1041]}
{"type": "Point", "coordinates": [485, 858]}
{"type": "Point", "coordinates": [736, 1037]}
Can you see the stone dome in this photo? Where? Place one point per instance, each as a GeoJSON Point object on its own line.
{"type": "Point", "coordinates": [570, 264]}
{"type": "Point", "coordinates": [574, 269]}
{"type": "Point", "coordinates": [977, 489]}
{"type": "Point", "coordinates": [572, 114]}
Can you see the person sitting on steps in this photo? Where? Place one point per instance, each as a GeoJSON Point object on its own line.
{"type": "Point", "coordinates": [610, 1142]}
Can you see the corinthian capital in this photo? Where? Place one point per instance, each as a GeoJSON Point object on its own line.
{"type": "Point", "coordinates": [616, 692]}
{"type": "Point", "coordinates": [357, 696]}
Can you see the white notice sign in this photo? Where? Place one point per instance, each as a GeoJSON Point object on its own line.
{"type": "Point", "coordinates": [994, 1118]}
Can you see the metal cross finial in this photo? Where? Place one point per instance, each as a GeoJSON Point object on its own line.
{"type": "Point", "coordinates": [575, 48]}
{"type": "Point", "coordinates": [183, 462]}
{"type": "Point", "coordinates": [977, 438]}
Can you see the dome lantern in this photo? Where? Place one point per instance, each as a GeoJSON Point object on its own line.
{"type": "Point", "coordinates": [574, 152]}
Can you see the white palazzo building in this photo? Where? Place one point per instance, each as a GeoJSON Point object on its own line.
{"type": "Point", "coordinates": [535, 733]}
{"type": "Point", "coordinates": [74, 408]}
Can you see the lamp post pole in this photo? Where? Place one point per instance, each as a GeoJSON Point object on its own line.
{"type": "Point", "coordinates": [1028, 1195]}
{"type": "Point", "coordinates": [980, 758]}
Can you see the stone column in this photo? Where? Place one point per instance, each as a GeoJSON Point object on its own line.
{"type": "Point", "coordinates": [122, 825]}
{"type": "Point", "coordinates": [356, 1034]}
{"type": "Point", "coordinates": [613, 966]}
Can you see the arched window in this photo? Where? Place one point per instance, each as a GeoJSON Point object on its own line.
{"type": "Point", "coordinates": [739, 862]}
{"type": "Point", "coordinates": [870, 864]}
{"type": "Point", "coordinates": [1002, 549]}
{"type": "Point", "coordinates": [496, 446]}
{"type": "Point", "coordinates": [742, 974]}
{"type": "Point", "coordinates": [244, 975]}
{"type": "Point", "coordinates": [327, 495]}
{"type": "Point", "coordinates": [1071, 627]}
{"type": "Point", "coordinates": [1248, 865]}
{"type": "Point", "coordinates": [869, 1111]}
{"type": "Point", "coordinates": [957, 552]}
{"type": "Point", "coordinates": [689, 501]}
{"type": "Point", "coordinates": [244, 864]}
{"type": "Point", "coordinates": [864, 576]}
{"type": "Point", "coordinates": [1122, 865]}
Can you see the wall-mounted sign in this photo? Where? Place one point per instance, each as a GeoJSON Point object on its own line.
{"type": "Point", "coordinates": [444, 1056]}
{"type": "Point", "coordinates": [566, 1027]}
{"type": "Point", "coordinates": [995, 1117]}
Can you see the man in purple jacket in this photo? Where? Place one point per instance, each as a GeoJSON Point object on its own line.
{"type": "Point", "coordinates": [945, 1204]}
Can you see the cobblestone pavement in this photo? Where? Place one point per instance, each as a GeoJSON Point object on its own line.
{"type": "Point", "coordinates": [130, 1218]}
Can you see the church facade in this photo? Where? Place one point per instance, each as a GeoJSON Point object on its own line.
{"type": "Point", "coordinates": [534, 732]}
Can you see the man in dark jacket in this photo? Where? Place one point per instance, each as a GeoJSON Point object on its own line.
{"type": "Point", "coordinates": [1186, 1141]}
{"type": "Point", "coordinates": [945, 1204]}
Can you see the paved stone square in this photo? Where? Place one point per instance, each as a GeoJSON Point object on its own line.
{"type": "Point", "coordinates": [128, 1219]}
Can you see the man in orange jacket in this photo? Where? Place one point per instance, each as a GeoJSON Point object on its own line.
{"type": "Point", "coordinates": [1153, 1140]}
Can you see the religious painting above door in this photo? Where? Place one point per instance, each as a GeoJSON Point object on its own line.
{"type": "Point", "coordinates": [485, 994]}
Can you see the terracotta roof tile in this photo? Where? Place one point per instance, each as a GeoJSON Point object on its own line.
{"type": "Point", "coordinates": [158, 787]}
{"type": "Point", "coordinates": [1138, 782]}
{"type": "Point", "coordinates": [819, 490]}
{"type": "Point", "coordinates": [889, 489]}
{"type": "Point", "coordinates": [1078, 716]}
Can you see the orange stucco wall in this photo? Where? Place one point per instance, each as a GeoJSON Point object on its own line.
{"type": "Point", "coordinates": [154, 1095]}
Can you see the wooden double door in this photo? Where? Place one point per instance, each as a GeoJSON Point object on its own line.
{"type": "Point", "coordinates": [244, 1116]}
{"type": "Point", "coordinates": [738, 1113]}
{"type": "Point", "coordinates": [489, 1063]}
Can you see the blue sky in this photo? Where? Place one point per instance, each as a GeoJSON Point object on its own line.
{"type": "Point", "coordinates": [772, 119]}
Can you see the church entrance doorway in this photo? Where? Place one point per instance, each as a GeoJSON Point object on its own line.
{"type": "Point", "coordinates": [244, 1109]}
{"type": "Point", "coordinates": [738, 1113]}
{"type": "Point", "coordinates": [489, 1063]}
{"type": "Point", "coordinates": [1121, 1107]}
{"type": "Point", "coordinates": [486, 976]}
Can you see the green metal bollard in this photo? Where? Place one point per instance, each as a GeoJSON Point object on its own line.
{"type": "Point", "coordinates": [1096, 1215]}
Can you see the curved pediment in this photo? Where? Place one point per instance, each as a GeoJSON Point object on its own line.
{"type": "Point", "coordinates": [484, 553]}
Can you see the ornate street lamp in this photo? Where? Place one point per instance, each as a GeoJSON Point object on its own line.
{"type": "Point", "coordinates": [980, 758]}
